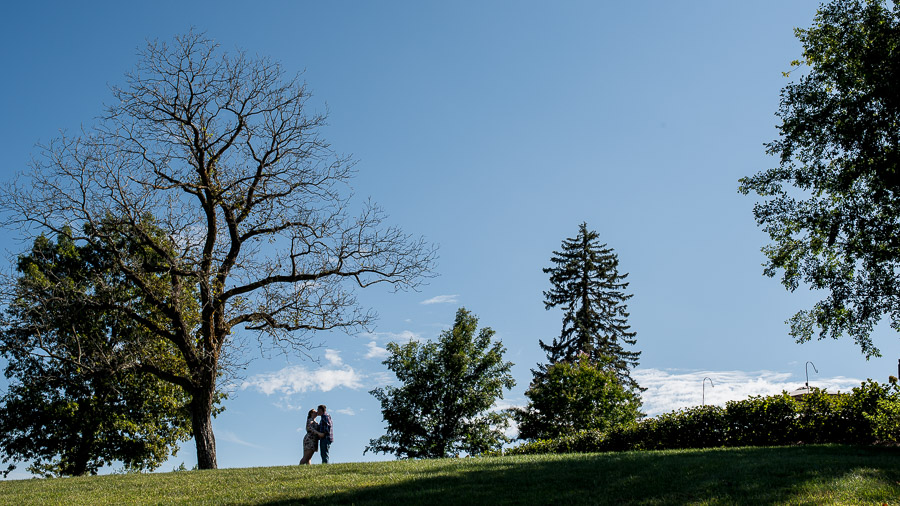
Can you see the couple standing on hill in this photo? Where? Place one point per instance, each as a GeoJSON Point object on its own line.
{"type": "Point", "coordinates": [319, 435]}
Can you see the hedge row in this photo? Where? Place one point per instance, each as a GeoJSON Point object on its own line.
{"type": "Point", "coordinates": [870, 414]}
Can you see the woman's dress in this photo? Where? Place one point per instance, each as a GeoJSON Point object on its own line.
{"type": "Point", "coordinates": [311, 440]}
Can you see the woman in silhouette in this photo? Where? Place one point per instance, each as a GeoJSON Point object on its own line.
{"type": "Point", "coordinates": [311, 439]}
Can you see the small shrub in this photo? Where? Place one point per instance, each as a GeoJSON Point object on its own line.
{"type": "Point", "coordinates": [696, 427]}
{"type": "Point", "coordinates": [819, 417]}
{"type": "Point", "coordinates": [761, 421]}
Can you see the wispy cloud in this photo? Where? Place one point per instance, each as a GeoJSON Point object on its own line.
{"type": "Point", "coordinates": [512, 428]}
{"type": "Point", "coordinates": [669, 390]}
{"type": "Point", "coordinates": [231, 437]}
{"type": "Point", "coordinates": [376, 351]}
{"type": "Point", "coordinates": [381, 379]}
{"type": "Point", "coordinates": [298, 379]}
{"type": "Point", "coordinates": [402, 337]}
{"type": "Point", "coordinates": [441, 299]}
{"type": "Point", "coordinates": [333, 357]}
{"type": "Point", "coordinates": [346, 411]}
{"type": "Point", "coordinates": [286, 403]}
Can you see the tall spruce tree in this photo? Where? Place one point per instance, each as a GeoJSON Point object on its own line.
{"type": "Point", "coordinates": [588, 287]}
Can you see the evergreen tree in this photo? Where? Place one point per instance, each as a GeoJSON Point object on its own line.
{"type": "Point", "coordinates": [587, 285]}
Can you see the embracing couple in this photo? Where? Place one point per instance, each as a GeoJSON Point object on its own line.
{"type": "Point", "coordinates": [317, 433]}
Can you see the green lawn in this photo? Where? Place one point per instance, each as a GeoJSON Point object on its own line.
{"type": "Point", "coordinates": [789, 475]}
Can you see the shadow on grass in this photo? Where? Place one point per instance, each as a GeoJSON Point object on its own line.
{"type": "Point", "coordinates": [804, 475]}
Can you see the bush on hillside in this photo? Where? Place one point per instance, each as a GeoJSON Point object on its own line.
{"type": "Point", "coordinates": [870, 414]}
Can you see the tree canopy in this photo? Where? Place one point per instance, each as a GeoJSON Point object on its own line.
{"type": "Point", "coordinates": [587, 285]}
{"type": "Point", "coordinates": [252, 223]}
{"type": "Point", "coordinates": [832, 205]}
{"type": "Point", "coordinates": [574, 396]}
{"type": "Point", "coordinates": [76, 400]}
{"type": "Point", "coordinates": [447, 388]}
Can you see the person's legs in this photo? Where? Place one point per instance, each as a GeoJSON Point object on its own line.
{"type": "Point", "coordinates": [324, 446]}
{"type": "Point", "coordinates": [307, 455]}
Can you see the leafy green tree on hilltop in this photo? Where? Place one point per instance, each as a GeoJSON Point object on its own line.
{"type": "Point", "coordinates": [574, 396]}
{"type": "Point", "coordinates": [587, 285]}
{"type": "Point", "coordinates": [448, 387]}
{"type": "Point", "coordinates": [832, 205]}
{"type": "Point", "coordinates": [78, 399]}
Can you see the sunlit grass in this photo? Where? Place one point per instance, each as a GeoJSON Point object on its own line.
{"type": "Point", "coordinates": [794, 475]}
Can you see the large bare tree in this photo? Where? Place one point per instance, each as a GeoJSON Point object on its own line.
{"type": "Point", "coordinates": [213, 162]}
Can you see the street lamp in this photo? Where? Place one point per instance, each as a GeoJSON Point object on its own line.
{"type": "Point", "coordinates": [807, 373]}
{"type": "Point", "coordinates": [704, 388]}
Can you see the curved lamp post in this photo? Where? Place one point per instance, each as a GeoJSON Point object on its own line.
{"type": "Point", "coordinates": [807, 373]}
{"type": "Point", "coordinates": [704, 388]}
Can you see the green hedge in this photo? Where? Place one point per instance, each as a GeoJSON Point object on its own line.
{"type": "Point", "coordinates": [870, 414]}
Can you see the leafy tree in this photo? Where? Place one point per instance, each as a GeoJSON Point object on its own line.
{"type": "Point", "coordinates": [587, 285]}
{"type": "Point", "coordinates": [77, 402]}
{"type": "Point", "coordinates": [575, 396]}
{"type": "Point", "coordinates": [251, 219]}
{"type": "Point", "coordinates": [832, 205]}
{"type": "Point", "coordinates": [448, 387]}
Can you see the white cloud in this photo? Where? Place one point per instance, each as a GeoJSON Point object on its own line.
{"type": "Point", "coordinates": [376, 351]}
{"type": "Point", "coordinates": [397, 337]}
{"type": "Point", "coordinates": [346, 411]}
{"type": "Point", "coordinates": [441, 299]}
{"type": "Point", "coordinates": [401, 337]}
{"type": "Point", "coordinates": [298, 379]}
{"type": "Point", "coordinates": [287, 404]}
{"type": "Point", "coordinates": [231, 437]}
{"type": "Point", "coordinates": [504, 404]}
{"type": "Point", "coordinates": [333, 357]}
{"type": "Point", "coordinates": [669, 390]}
{"type": "Point", "coordinates": [512, 428]}
{"type": "Point", "coordinates": [382, 378]}
{"type": "Point", "coordinates": [329, 379]}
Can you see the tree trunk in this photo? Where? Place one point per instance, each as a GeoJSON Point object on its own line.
{"type": "Point", "coordinates": [89, 420]}
{"type": "Point", "coordinates": [201, 423]}
{"type": "Point", "coordinates": [82, 454]}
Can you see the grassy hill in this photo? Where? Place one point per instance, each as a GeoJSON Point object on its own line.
{"type": "Point", "coordinates": [788, 475]}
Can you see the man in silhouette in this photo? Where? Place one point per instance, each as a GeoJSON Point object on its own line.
{"type": "Point", "coordinates": [327, 429]}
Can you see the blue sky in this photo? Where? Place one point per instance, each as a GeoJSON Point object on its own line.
{"type": "Point", "coordinates": [493, 129]}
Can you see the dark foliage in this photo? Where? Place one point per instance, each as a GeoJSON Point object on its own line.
{"type": "Point", "coordinates": [573, 396]}
{"type": "Point", "coordinates": [77, 398]}
{"type": "Point", "coordinates": [832, 205]}
{"type": "Point", "coordinates": [448, 387]}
